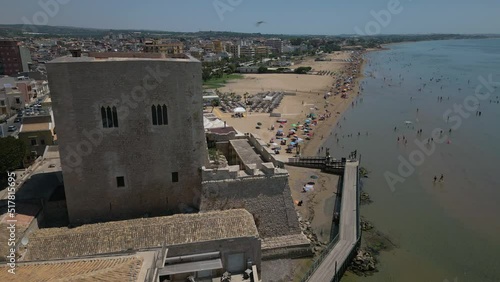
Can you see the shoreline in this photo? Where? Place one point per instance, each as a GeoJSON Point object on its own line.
{"type": "Point", "coordinates": [316, 211]}
{"type": "Point", "coordinates": [328, 126]}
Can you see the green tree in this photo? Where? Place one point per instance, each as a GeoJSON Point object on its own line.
{"type": "Point", "coordinates": [302, 70]}
{"type": "Point", "coordinates": [262, 69]}
{"type": "Point", "coordinates": [206, 73]}
{"type": "Point", "coordinates": [214, 103]}
{"type": "Point", "coordinates": [12, 153]}
{"type": "Point", "coordinates": [232, 68]}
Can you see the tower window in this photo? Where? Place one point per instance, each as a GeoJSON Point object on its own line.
{"type": "Point", "coordinates": [159, 114]}
{"type": "Point", "coordinates": [120, 181]}
{"type": "Point", "coordinates": [175, 177]}
{"type": "Point", "coordinates": [109, 117]}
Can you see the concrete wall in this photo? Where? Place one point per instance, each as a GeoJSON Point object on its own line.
{"type": "Point", "coordinates": [268, 199]}
{"type": "Point", "coordinates": [146, 155]}
{"type": "Point", "coordinates": [262, 149]}
{"type": "Point", "coordinates": [250, 246]}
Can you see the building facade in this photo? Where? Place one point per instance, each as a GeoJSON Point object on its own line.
{"type": "Point", "coordinates": [233, 49]}
{"type": "Point", "coordinates": [10, 100]}
{"type": "Point", "coordinates": [276, 45]}
{"type": "Point", "coordinates": [167, 48]}
{"type": "Point", "coordinates": [130, 133]}
{"type": "Point", "coordinates": [14, 58]}
{"type": "Point", "coordinates": [218, 46]}
{"type": "Point", "coordinates": [37, 132]}
{"type": "Point", "coordinates": [247, 51]}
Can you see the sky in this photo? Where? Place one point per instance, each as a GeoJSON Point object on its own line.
{"type": "Point", "coordinates": [326, 17]}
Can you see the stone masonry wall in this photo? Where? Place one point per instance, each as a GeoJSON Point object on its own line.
{"type": "Point", "coordinates": [268, 199]}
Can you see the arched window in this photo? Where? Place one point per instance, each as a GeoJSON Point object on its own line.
{"type": "Point", "coordinates": [104, 119]}
{"type": "Point", "coordinates": [153, 115]}
{"type": "Point", "coordinates": [160, 116]}
{"type": "Point", "coordinates": [165, 116]}
{"type": "Point", "coordinates": [109, 117]}
{"type": "Point", "coordinates": [115, 117]}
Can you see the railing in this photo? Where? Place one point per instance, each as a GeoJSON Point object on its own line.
{"type": "Point", "coordinates": [339, 270]}
{"type": "Point", "coordinates": [320, 258]}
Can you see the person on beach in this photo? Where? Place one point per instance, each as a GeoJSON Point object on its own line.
{"type": "Point", "coordinates": [441, 179]}
{"type": "Point", "coordinates": [435, 179]}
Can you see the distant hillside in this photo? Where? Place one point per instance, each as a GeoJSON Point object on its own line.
{"type": "Point", "coordinates": [19, 30]}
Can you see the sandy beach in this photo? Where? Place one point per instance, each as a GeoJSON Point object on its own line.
{"type": "Point", "coordinates": [308, 96]}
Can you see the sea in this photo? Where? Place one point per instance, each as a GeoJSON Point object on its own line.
{"type": "Point", "coordinates": [427, 128]}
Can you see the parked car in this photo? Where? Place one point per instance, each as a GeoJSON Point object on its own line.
{"type": "Point", "coordinates": [12, 128]}
{"type": "Point", "coordinates": [20, 114]}
{"type": "Point", "coordinates": [18, 120]}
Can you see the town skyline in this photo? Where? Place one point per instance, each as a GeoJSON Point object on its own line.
{"type": "Point", "coordinates": [326, 18]}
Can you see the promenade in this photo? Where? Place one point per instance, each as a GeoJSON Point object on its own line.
{"type": "Point", "coordinates": [338, 258]}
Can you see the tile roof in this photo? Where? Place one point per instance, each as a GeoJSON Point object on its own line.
{"type": "Point", "coordinates": [85, 270]}
{"type": "Point", "coordinates": [135, 234]}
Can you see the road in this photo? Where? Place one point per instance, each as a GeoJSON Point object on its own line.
{"type": "Point", "coordinates": [4, 127]}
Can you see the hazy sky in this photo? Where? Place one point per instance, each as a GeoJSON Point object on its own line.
{"type": "Point", "coordinates": [280, 16]}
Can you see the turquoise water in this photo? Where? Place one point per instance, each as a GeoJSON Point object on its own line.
{"type": "Point", "coordinates": [446, 230]}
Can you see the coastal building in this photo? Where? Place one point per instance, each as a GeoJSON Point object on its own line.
{"type": "Point", "coordinates": [247, 51]}
{"type": "Point", "coordinates": [262, 51]}
{"type": "Point", "coordinates": [26, 86]}
{"type": "Point", "coordinates": [243, 173]}
{"type": "Point", "coordinates": [249, 69]}
{"type": "Point", "coordinates": [37, 132]}
{"type": "Point", "coordinates": [132, 141]}
{"type": "Point", "coordinates": [14, 58]}
{"type": "Point", "coordinates": [10, 100]}
{"type": "Point", "coordinates": [276, 45]}
{"type": "Point", "coordinates": [218, 46]}
{"type": "Point", "coordinates": [171, 47]}
{"type": "Point", "coordinates": [166, 248]}
{"type": "Point", "coordinates": [233, 49]}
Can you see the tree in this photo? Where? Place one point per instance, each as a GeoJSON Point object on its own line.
{"type": "Point", "coordinates": [232, 68]}
{"type": "Point", "coordinates": [302, 70]}
{"type": "Point", "coordinates": [206, 74]}
{"type": "Point", "coordinates": [12, 153]}
{"type": "Point", "coordinates": [262, 69]}
{"type": "Point", "coordinates": [214, 103]}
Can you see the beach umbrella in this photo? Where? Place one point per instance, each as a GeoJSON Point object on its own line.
{"type": "Point", "coordinates": [314, 177]}
{"type": "Point", "coordinates": [282, 120]}
{"type": "Point", "coordinates": [239, 110]}
{"type": "Point", "coordinates": [294, 125]}
{"type": "Point", "coordinates": [259, 123]}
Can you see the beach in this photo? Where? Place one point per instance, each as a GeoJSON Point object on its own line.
{"type": "Point", "coordinates": [308, 93]}
{"type": "Point", "coordinates": [444, 230]}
